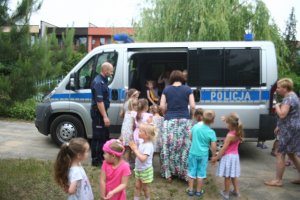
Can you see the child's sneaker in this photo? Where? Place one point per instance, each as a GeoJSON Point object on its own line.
{"type": "Point", "coordinates": [189, 192]}
{"type": "Point", "coordinates": [224, 195]}
{"type": "Point", "coordinates": [199, 194]}
{"type": "Point", "coordinates": [235, 194]}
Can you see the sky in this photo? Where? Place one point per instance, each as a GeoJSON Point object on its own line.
{"type": "Point", "coordinates": [121, 13]}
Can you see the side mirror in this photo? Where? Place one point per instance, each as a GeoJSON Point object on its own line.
{"type": "Point", "coordinates": [73, 82]}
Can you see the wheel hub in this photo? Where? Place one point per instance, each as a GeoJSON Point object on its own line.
{"type": "Point", "coordinates": [66, 131]}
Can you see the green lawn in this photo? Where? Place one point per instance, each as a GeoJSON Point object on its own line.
{"type": "Point", "coordinates": [33, 180]}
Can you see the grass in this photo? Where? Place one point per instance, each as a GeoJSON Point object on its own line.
{"type": "Point", "coordinates": [33, 180]}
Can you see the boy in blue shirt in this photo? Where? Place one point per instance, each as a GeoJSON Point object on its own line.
{"type": "Point", "coordinates": [203, 138]}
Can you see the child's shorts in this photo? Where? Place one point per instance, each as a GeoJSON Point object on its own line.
{"type": "Point", "coordinates": [197, 166]}
{"type": "Point", "coordinates": [146, 176]}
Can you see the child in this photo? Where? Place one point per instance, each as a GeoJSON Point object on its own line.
{"type": "Point", "coordinates": [131, 94]}
{"type": "Point", "coordinates": [115, 171]}
{"type": "Point", "coordinates": [198, 115]}
{"type": "Point", "coordinates": [203, 138]}
{"type": "Point", "coordinates": [127, 126]}
{"type": "Point", "coordinates": [158, 121]}
{"type": "Point", "coordinates": [152, 93]}
{"type": "Point", "coordinates": [69, 173]}
{"type": "Point", "coordinates": [143, 162]}
{"type": "Point", "coordinates": [142, 116]}
{"type": "Point", "coordinates": [229, 166]}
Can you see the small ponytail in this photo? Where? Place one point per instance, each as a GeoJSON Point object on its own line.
{"type": "Point", "coordinates": [65, 157]}
{"type": "Point", "coordinates": [240, 131]}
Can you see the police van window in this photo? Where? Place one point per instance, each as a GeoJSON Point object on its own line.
{"type": "Point", "coordinates": [224, 67]}
{"type": "Point", "coordinates": [206, 67]}
{"type": "Point", "coordinates": [85, 74]}
{"type": "Point", "coordinates": [242, 67]}
{"type": "Point", "coordinates": [111, 57]}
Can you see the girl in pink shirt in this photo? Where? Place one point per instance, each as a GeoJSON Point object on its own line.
{"type": "Point", "coordinates": [229, 165]}
{"type": "Point", "coordinates": [115, 172]}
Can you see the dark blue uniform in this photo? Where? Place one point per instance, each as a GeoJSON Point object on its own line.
{"type": "Point", "coordinates": [100, 93]}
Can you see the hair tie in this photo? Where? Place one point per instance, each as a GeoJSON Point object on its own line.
{"type": "Point", "coordinates": [107, 149]}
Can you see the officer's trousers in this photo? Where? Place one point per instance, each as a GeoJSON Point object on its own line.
{"type": "Point", "coordinates": [100, 136]}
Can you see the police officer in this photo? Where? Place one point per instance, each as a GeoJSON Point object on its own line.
{"type": "Point", "coordinates": [100, 120]}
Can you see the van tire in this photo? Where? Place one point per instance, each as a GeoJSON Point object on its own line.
{"type": "Point", "coordinates": [64, 128]}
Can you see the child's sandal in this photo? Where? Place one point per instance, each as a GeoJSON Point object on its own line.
{"type": "Point", "coordinates": [189, 192]}
{"type": "Point", "coordinates": [199, 194]}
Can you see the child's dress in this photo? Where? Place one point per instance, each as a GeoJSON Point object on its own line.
{"type": "Point", "coordinates": [127, 127]}
{"type": "Point", "coordinates": [144, 118]}
{"type": "Point", "coordinates": [114, 178]}
{"type": "Point", "coordinates": [158, 121]}
{"type": "Point", "coordinates": [229, 165]}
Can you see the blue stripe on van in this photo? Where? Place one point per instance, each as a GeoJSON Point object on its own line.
{"type": "Point", "coordinates": [223, 95]}
{"type": "Point", "coordinates": [120, 92]}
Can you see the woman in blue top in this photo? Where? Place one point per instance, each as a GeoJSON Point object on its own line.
{"type": "Point", "coordinates": [174, 104]}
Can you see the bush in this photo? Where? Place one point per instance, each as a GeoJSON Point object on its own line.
{"type": "Point", "coordinates": [23, 110]}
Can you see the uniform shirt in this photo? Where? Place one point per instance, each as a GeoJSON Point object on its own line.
{"type": "Point", "coordinates": [100, 91]}
{"type": "Point", "coordinates": [84, 189]}
{"type": "Point", "coordinates": [177, 99]}
{"type": "Point", "coordinates": [202, 136]}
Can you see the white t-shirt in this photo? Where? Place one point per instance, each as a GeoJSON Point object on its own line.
{"type": "Point", "coordinates": [84, 189]}
{"type": "Point", "coordinates": [146, 149]}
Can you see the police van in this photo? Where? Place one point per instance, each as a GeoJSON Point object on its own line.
{"type": "Point", "coordinates": [224, 76]}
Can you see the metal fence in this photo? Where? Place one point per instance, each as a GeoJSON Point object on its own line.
{"type": "Point", "coordinates": [48, 83]}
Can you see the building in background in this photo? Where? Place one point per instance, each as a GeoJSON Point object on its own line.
{"type": "Point", "coordinates": [86, 37]}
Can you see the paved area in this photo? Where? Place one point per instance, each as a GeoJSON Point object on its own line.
{"type": "Point", "coordinates": [22, 140]}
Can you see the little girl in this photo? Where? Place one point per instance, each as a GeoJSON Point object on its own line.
{"type": "Point", "coordinates": [143, 162]}
{"type": "Point", "coordinates": [158, 121]}
{"type": "Point", "coordinates": [127, 126]}
{"type": "Point", "coordinates": [115, 171]}
{"type": "Point", "coordinates": [131, 94]}
{"type": "Point", "coordinates": [142, 116]}
{"type": "Point", "coordinates": [69, 173]}
{"type": "Point", "coordinates": [229, 166]}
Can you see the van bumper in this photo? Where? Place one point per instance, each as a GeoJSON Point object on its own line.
{"type": "Point", "coordinates": [43, 112]}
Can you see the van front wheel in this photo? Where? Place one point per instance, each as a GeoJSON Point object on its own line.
{"type": "Point", "coordinates": [66, 127]}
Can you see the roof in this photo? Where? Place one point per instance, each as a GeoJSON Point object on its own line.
{"type": "Point", "coordinates": [108, 31]}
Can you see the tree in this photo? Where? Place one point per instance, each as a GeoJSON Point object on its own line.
{"type": "Point", "coordinates": [23, 62]}
{"type": "Point", "coordinates": [291, 41]}
{"type": "Point", "coordinates": [207, 20]}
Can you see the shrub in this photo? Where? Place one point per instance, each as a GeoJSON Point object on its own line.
{"type": "Point", "coordinates": [23, 110]}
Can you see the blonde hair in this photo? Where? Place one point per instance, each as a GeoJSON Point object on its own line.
{"type": "Point", "coordinates": [286, 83]}
{"type": "Point", "coordinates": [234, 121]}
{"type": "Point", "coordinates": [117, 146]}
{"type": "Point", "coordinates": [150, 130]}
{"type": "Point", "coordinates": [68, 152]}
{"type": "Point", "coordinates": [209, 116]}
{"type": "Point", "coordinates": [132, 104]}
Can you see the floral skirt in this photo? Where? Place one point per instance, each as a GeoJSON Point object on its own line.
{"type": "Point", "coordinates": [175, 148]}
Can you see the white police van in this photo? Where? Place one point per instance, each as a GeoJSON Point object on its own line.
{"type": "Point", "coordinates": [225, 77]}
